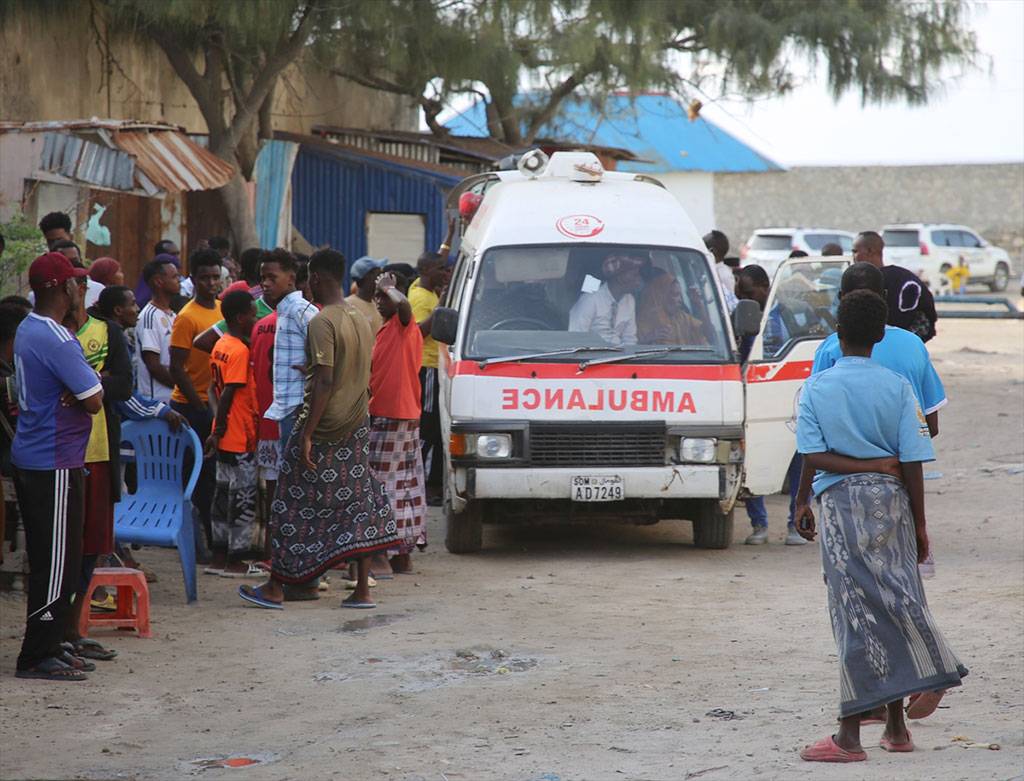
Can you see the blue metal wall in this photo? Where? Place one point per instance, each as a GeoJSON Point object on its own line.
{"type": "Point", "coordinates": [333, 191]}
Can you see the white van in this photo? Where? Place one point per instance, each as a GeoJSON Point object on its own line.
{"type": "Point", "coordinates": [591, 371]}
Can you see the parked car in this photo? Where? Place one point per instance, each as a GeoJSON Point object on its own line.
{"type": "Point", "coordinates": [768, 247]}
{"type": "Point", "coordinates": [932, 249]}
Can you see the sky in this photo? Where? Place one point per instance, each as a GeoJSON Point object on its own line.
{"type": "Point", "coordinates": [978, 118]}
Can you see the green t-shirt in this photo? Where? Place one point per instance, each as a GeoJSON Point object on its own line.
{"type": "Point", "coordinates": [262, 310]}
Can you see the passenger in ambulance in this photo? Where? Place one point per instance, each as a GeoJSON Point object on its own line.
{"type": "Point", "coordinates": [662, 317]}
{"type": "Point", "coordinates": [610, 311]}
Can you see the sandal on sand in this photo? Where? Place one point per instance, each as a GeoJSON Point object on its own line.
{"type": "Point", "coordinates": [52, 669]}
{"type": "Point", "coordinates": [358, 605]}
{"type": "Point", "coordinates": [254, 594]}
{"type": "Point", "coordinates": [351, 584]}
{"type": "Point", "coordinates": [107, 605]}
{"type": "Point", "coordinates": [91, 649]}
{"type": "Point", "coordinates": [924, 704]}
{"type": "Point", "coordinates": [76, 662]}
{"type": "Point", "coordinates": [898, 748]}
{"type": "Point", "coordinates": [827, 750]}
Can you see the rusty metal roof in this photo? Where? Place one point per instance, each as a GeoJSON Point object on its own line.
{"type": "Point", "coordinates": [172, 161]}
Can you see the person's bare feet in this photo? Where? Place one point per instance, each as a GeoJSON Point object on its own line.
{"type": "Point", "coordinates": [380, 566]}
{"type": "Point", "coordinates": [272, 590]}
{"type": "Point", "coordinates": [896, 731]}
{"type": "Point", "coordinates": [401, 564]}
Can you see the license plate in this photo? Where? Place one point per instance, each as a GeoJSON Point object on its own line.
{"type": "Point", "coordinates": [598, 488]}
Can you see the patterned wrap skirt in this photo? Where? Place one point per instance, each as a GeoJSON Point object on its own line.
{"type": "Point", "coordinates": [330, 514]}
{"type": "Point", "coordinates": [889, 646]}
{"type": "Point", "coordinates": [397, 460]}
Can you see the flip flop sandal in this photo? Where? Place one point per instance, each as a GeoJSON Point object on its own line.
{"type": "Point", "coordinates": [324, 583]}
{"type": "Point", "coordinates": [350, 585]}
{"type": "Point", "coordinates": [383, 575]}
{"type": "Point", "coordinates": [923, 704]}
{"type": "Point", "coordinates": [249, 573]}
{"type": "Point", "coordinates": [827, 750]}
{"type": "Point", "coordinates": [213, 571]}
{"type": "Point", "coordinates": [898, 748]}
{"type": "Point", "coordinates": [76, 662]}
{"type": "Point", "coordinates": [108, 605]}
{"type": "Point", "coordinates": [52, 669]}
{"type": "Point", "coordinates": [255, 596]}
{"type": "Point", "coordinates": [90, 649]}
{"type": "Point", "coordinates": [358, 605]}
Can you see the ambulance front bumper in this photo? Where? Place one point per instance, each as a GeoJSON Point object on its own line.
{"type": "Point", "coordinates": [686, 481]}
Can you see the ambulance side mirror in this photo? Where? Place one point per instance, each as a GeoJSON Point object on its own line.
{"type": "Point", "coordinates": [445, 325]}
{"type": "Point", "coordinates": [746, 318]}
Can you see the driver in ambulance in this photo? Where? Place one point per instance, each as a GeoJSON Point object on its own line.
{"type": "Point", "coordinates": [610, 311]}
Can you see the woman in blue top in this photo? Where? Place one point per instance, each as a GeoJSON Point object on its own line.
{"type": "Point", "coordinates": [861, 428]}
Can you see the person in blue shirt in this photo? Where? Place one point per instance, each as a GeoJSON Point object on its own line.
{"type": "Point", "coordinates": [58, 393]}
{"type": "Point", "coordinates": [901, 351]}
{"type": "Point", "coordinates": [861, 428]}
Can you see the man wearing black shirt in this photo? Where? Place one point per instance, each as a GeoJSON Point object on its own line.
{"type": "Point", "coordinates": [911, 306]}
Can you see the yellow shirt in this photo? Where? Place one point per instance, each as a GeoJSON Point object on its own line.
{"type": "Point", "coordinates": [423, 303]}
{"type": "Point", "coordinates": [95, 340]}
{"type": "Point", "coordinates": [191, 321]}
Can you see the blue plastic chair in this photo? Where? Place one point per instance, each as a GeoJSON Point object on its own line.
{"type": "Point", "coordinates": [160, 512]}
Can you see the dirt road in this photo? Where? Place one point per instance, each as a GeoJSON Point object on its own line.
{"type": "Point", "coordinates": [566, 654]}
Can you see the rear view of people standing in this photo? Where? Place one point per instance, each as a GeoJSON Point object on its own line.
{"type": "Point", "coordinates": [58, 393]}
{"type": "Point", "coordinates": [911, 304]}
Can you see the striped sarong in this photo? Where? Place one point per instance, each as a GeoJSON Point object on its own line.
{"type": "Point", "coordinates": [397, 460]}
{"type": "Point", "coordinates": [888, 644]}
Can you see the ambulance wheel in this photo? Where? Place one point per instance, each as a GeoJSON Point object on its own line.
{"type": "Point", "coordinates": [465, 530]}
{"type": "Point", "coordinates": [712, 528]}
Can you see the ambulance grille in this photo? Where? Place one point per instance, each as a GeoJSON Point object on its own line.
{"type": "Point", "coordinates": [608, 445]}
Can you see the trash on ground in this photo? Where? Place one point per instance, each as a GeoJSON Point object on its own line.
{"type": "Point", "coordinates": [233, 762]}
{"type": "Point", "coordinates": [723, 715]}
{"type": "Point", "coordinates": [965, 742]}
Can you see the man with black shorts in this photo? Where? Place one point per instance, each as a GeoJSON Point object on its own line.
{"type": "Point", "coordinates": [58, 393]}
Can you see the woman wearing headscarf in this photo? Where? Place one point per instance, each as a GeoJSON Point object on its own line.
{"type": "Point", "coordinates": [661, 318]}
{"type": "Point", "coordinates": [106, 271]}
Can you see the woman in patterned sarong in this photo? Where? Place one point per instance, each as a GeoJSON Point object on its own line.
{"type": "Point", "coordinates": [328, 507]}
{"type": "Point", "coordinates": [861, 428]}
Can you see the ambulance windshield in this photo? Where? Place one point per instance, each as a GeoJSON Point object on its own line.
{"type": "Point", "coordinates": [624, 298]}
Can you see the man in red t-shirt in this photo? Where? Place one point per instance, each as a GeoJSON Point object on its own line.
{"type": "Point", "coordinates": [395, 454]}
{"type": "Point", "coordinates": [233, 441]}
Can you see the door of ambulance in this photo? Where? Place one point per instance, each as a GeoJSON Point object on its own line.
{"type": "Point", "coordinates": [800, 313]}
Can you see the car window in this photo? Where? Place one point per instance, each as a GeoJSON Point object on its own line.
{"type": "Point", "coordinates": [805, 301]}
{"type": "Point", "coordinates": [818, 240]}
{"type": "Point", "coordinates": [462, 266]}
{"type": "Point", "coordinates": [901, 238]}
{"type": "Point", "coordinates": [772, 241]}
{"type": "Point", "coordinates": [968, 239]}
{"type": "Point", "coordinates": [846, 243]}
{"type": "Point", "coordinates": [621, 297]}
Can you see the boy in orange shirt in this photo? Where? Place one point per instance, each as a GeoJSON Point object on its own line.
{"type": "Point", "coordinates": [395, 453]}
{"type": "Point", "coordinates": [233, 441]}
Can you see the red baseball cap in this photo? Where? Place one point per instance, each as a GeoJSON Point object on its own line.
{"type": "Point", "coordinates": [52, 269]}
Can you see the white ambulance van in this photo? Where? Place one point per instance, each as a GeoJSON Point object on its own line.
{"type": "Point", "coordinates": [588, 365]}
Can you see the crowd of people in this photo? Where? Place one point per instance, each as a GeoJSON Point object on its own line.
{"type": "Point", "coordinates": [316, 411]}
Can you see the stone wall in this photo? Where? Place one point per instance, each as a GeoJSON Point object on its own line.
{"type": "Point", "coordinates": [988, 198]}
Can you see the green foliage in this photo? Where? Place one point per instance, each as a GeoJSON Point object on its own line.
{"type": "Point", "coordinates": [23, 244]}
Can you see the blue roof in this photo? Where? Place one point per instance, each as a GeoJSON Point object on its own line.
{"type": "Point", "coordinates": [653, 127]}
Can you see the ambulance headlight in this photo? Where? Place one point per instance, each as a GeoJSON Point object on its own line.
{"type": "Point", "coordinates": [699, 450]}
{"type": "Point", "coordinates": [493, 446]}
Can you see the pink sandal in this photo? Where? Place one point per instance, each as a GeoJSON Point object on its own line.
{"type": "Point", "coordinates": [827, 750]}
{"type": "Point", "coordinates": [898, 748]}
{"type": "Point", "coordinates": [924, 704]}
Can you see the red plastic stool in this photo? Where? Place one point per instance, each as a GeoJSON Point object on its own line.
{"type": "Point", "coordinates": [132, 601]}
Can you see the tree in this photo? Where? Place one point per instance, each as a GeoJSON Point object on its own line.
{"type": "Point", "coordinates": [434, 50]}
{"type": "Point", "coordinates": [230, 54]}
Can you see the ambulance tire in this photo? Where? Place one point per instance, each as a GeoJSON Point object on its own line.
{"type": "Point", "coordinates": [464, 532]}
{"type": "Point", "coordinates": [712, 528]}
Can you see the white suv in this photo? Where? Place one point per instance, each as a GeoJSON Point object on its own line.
{"type": "Point", "coordinates": [768, 247]}
{"type": "Point", "coordinates": [930, 250]}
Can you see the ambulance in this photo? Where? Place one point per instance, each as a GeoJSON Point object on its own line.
{"type": "Point", "coordinates": [589, 369]}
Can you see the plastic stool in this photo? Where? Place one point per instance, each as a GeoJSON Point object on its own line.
{"type": "Point", "coordinates": [132, 601]}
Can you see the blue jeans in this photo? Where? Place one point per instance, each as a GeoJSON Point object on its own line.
{"type": "Point", "coordinates": [758, 513]}
{"type": "Point", "coordinates": [286, 425]}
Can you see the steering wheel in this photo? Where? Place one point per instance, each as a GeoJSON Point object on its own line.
{"type": "Point", "coordinates": [503, 325]}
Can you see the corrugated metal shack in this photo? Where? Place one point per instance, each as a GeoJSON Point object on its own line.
{"type": "Point", "coordinates": [124, 184]}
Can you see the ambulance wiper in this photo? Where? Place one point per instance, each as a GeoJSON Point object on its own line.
{"type": "Point", "coordinates": [553, 353]}
{"type": "Point", "coordinates": [643, 354]}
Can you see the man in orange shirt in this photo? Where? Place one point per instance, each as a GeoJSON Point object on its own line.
{"type": "Point", "coordinates": [395, 454]}
{"type": "Point", "coordinates": [190, 370]}
{"type": "Point", "coordinates": [233, 441]}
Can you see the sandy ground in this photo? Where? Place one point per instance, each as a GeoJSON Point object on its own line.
{"type": "Point", "coordinates": [564, 654]}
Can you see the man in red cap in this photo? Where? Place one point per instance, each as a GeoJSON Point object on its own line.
{"type": "Point", "coordinates": [58, 392]}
